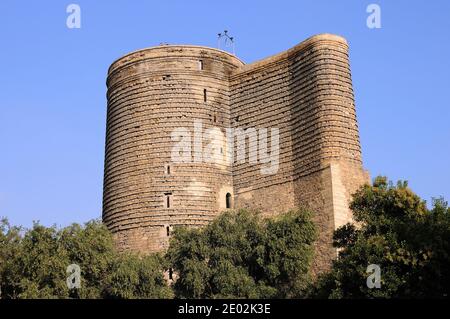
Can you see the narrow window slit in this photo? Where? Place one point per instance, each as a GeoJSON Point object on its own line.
{"type": "Point", "coordinates": [167, 200]}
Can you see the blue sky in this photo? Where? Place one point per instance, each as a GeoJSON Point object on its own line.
{"type": "Point", "coordinates": [52, 86]}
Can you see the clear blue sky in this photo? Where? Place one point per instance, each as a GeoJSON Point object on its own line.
{"type": "Point", "coordinates": [52, 86]}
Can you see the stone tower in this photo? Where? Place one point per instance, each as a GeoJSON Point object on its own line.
{"type": "Point", "coordinates": [168, 95]}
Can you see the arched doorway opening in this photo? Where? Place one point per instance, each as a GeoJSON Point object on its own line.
{"type": "Point", "coordinates": [228, 200]}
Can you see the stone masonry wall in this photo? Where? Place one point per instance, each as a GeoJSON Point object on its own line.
{"type": "Point", "coordinates": [150, 94]}
{"type": "Point", "coordinates": [260, 98]}
{"type": "Point", "coordinates": [305, 92]}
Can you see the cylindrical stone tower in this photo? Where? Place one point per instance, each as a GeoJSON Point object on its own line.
{"type": "Point", "coordinates": [159, 97]}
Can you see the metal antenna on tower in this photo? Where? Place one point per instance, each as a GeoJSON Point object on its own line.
{"type": "Point", "coordinates": [226, 39]}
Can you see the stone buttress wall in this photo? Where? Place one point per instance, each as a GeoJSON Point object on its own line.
{"type": "Point", "coordinates": [327, 165]}
{"type": "Point", "coordinates": [307, 93]}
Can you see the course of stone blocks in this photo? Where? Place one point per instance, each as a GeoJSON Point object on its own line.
{"type": "Point", "coordinates": [306, 92]}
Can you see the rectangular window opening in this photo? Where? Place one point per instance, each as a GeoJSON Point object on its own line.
{"type": "Point", "coordinates": [167, 200]}
{"type": "Point", "coordinates": [204, 95]}
{"type": "Point", "coordinates": [200, 64]}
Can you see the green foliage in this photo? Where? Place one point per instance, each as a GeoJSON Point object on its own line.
{"type": "Point", "coordinates": [396, 231]}
{"type": "Point", "coordinates": [134, 277]}
{"type": "Point", "coordinates": [33, 264]}
{"type": "Point", "coordinates": [240, 255]}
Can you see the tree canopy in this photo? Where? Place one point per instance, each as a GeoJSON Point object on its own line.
{"type": "Point", "coordinates": [33, 264]}
{"type": "Point", "coordinates": [395, 230]}
{"type": "Point", "coordinates": [241, 255]}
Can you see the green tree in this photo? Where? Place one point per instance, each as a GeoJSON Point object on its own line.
{"type": "Point", "coordinates": [33, 264]}
{"type": "Point", "coordinates": [135, 277]}
{"type": "Point", "coordinates": [394, 230]}
{"type": "Point", "coordinates": [9, 247]}
{"type": "Point", "coordinates": [241, 255]}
